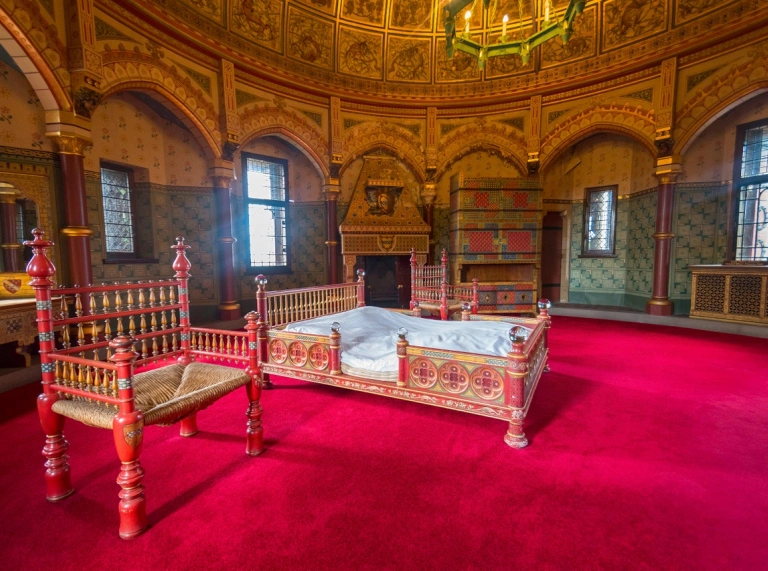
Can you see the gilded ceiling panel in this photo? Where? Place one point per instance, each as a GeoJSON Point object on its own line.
{"type": "Point", "coordinates": [408, 59]}
{"type": "Point", "coordinates": [370, 12]}
{"type": "Point", "coordinates": [411, 15]}
{"type": "Point", "coordinates": [690, 9]}
{"type": "Point", "coordinates": [260, 21]}
{"type": "Point", "coordinates": [581, 45]}
{"type": "Point", "coordinates": [310, 39]}
{"type": "Point", "coordinates": [630, 20]}
{"type": "Point", "coordinates": [328, 6]}
{"type": "Point", "coordinates": [461, 67]}
{"type": "Point", "coordinates": [212, 8]}
{"type": "Point", "coordinates": [360, 53]}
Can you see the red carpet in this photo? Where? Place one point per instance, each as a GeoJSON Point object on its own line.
{"type": "Point", "coordinates": [648, 451]}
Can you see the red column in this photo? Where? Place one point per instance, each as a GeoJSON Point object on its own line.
{"type": "Point", "coordinates": [331, 191]}
{"type": "Point", "coordinates": [428, 194]}
{"type": "Point", "coordinates": [660, 304]}
{"type": "Point", "coordinates": [229, 309]}
{"type": "Point", "coordinates": [77, 232]}
{"type": "Point", "coordinates": [9, 245]}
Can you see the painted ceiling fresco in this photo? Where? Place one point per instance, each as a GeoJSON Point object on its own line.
{"type": "Point", "coordinates": [399, 45]}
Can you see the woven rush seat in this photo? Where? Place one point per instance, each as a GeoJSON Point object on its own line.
{"type": "Point", "coordinates": [164, 395]}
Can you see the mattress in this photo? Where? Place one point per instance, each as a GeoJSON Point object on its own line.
{"type": "Point", "coordinates": [369, 338]}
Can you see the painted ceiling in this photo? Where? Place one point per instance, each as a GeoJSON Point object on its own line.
{"type": "Point", "coordinates": [396, 48]}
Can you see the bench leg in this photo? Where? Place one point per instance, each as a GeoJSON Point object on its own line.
{"type": "Point", "coordinates": [188, 426]}
{"type": "Point", "coordinates": [58, 483]}
{"type": "Point", "coordinates": [254, 443]}
{"type": "Point", "coordinates": [515, 436]}
{"type": "Point", "coordinates": [128, 431]}
{"type": "Point", "coordinates": [266, 382]}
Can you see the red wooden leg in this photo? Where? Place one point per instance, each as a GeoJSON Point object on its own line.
{"type": "Point", "coordinates": [58, 483]}
{"type": "Point", "coordinates": [188, 426]}
{"type": "Point", "coordinates": [254, 444]}
{"type": "Point", "coordinates": [515, 436]}
{"type": "Point", "coordinates": [128, 429]}
{"type": "Point", "coordinates": [266, 382]}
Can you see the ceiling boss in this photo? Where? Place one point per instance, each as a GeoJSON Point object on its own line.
{"type": "Point", "coordinates": [551, 26]}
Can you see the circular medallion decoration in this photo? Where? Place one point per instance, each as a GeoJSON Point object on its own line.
{"type": "Point", "coordinates": [454, 378]}
{"type": "Point", "coordinates": [487, 383]}
{"type": "Point", "coordinates": [298, 353]}
{"type": "Point", "coordinates": [423, 373]}
{"type": "Point", "coordinates": [278, 352]}
{"type": "Point", "coordinates": [318, 357]}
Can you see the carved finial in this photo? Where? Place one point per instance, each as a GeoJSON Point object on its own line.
{"type": "Point", "coordinates": [40, 267]}
{"type": "Point", "coordinates": [181, 264]}
{"type": "Point", "coordinates": [251, 317]}
{"type": "Point", "coordinates": [122, 346]}
{"type": "Point", "coordinates": [402, 333]}
{"type": "Point", "coordinates": [360, 275]}
{"type": "Point", "coordinates": [335, 326]}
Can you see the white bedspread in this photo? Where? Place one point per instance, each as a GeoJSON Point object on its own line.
{"type": "Point", "coordinates": [369, 338]}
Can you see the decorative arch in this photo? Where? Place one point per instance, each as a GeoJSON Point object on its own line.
{"type": "Point", "coordinates": [39, 54]}
{"type": "Point", "coordinates": [260, 122]}
{"type": "Point", "coordinates": [594, 129]}
{"type": "Point", "coordinates": [480, 136]}
{"type": "Point", "coordinates": [133, 71]}
{"type": "Point", "coordinates": [721, 93]}
{"type": "Point", "coordinates": [393, 139]}
{"type": "Point", "coordinates": [625, 119]}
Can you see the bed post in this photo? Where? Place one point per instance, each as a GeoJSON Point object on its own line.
{"type": "Point", "coordinates": [128, 429]}
{"type": "Point", "coordinates": [416, 309]}
{"type": "Point", "coordinates": [254, 444]}
{"type": "Point", "coordinates": [181, 265]}
{"type": "Point", "coordinates": [402, 358]}
{"type": "Point", "coordinates": [414, 265]}
{"type": "Point", "coordinates": [475, 297]}
{"type": "Point", "coordinates": [444, 287]}
{"type": "Point", "coordinates": [543, 316]}
{"type": "Point", "coordinates": [466, 310]}
{"type": "Point", "coordinates": [58, 483]}
{"type": "Point", "coordinates": [517, 368]}
{"type": "Point", "coordinates": [263, 326]}
{"type": "Point", "coordinates": [360, 288]}
{"type": "Point", "coordinates": [335, 347]}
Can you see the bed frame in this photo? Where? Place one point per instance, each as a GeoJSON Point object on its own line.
{"type": "Point", "coordinates": [90, 349]}
{"type": "Point", "coordinates": [495, 387]}
{"type": "Point", "coordinates": [430, 289]}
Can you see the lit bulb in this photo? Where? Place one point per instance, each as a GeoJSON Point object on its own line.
{"type": "Point", "coordinates": [504, 21]}
{"type": "Point", "coordinates": [467, 16]}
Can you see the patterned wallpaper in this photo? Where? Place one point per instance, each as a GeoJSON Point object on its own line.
{"type": "Point", "coordinates": [475, 165]}
{"type": "Point", "coordinates": [22, 118]}
{"type": "Point", "coordinates": [710, 156]}
{"type": "Point", "coordinates": [602, 159]}
{"type": "Point", "coordinates": [128, 132]}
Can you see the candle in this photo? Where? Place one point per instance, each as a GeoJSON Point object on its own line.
{"type": "Point", "coordinates": [467, 16]}
{"type": "Point", "coordinates": [504, 21]}
{"type": "Point", "coordinates": [546, 10]}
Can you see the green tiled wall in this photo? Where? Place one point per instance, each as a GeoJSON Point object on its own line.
{"type": "Point", "coordinates": [625, 280]}
{"type": "Point", "coordinates": [442, 216]}
{"type": "Point", "coordinates": [699, 225]}
{"type": "Point", "coordinates": [640, 247]}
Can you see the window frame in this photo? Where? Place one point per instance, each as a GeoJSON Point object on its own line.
{"type": "Point", "coordinates": [735, 191]}
{"type": "Point", "coordinates": [585, 251]}
{"type": "Point", "coordinates": [119, 257]}
{"type": "Point", "coordinates": [249, 269]}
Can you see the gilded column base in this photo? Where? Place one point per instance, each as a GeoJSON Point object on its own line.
{"type": "Point", "coordinates": [663, 307]}
{"type": "Point", "coordinates": [229, 311]}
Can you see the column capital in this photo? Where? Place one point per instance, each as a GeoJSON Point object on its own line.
{"type": "Point", "coordinates": [70, 144]}
{"type": "Point", "coordinates": [428, 193]}
{"type": "Point", "coordinates": [668, 169]}
{"type": "Point", "coordinates": [221, 181]}
{"type": "Point", "coordinates": [331, 189]}
{"type": "Point", "coordinates": [8, 195]}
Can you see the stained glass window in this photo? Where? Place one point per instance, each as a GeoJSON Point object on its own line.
{"type": "Point", "coordinates": [599, 221]}
{"type": "Point", "coordinates": [118, 219]}
{"type": "Point", "coordinates": [266, 191]}
{"type": "Point", "coordinates": [752, 188]}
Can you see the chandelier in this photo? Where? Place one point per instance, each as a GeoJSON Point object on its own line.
{"type": "Point", "coordinates": [551, 27]}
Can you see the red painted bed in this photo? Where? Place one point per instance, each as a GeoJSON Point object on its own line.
{"type": "Point", "coordinates": [492, 386]}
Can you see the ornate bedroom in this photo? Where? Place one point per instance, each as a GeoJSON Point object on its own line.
{"type": "Point", "coordinates": [384, 284]}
